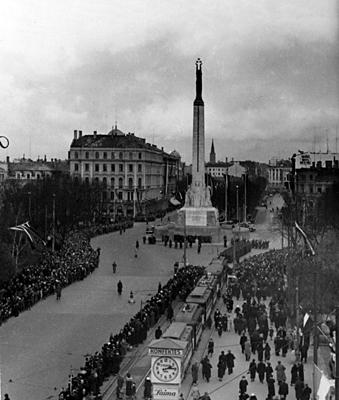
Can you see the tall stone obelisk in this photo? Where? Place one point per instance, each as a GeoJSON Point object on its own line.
{"type": "Point", "coordinates": [198, 210]}
{"type": "Point", "coordinates": [198, 150]}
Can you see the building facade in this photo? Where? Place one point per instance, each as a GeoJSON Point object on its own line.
{"type": "Point", "coordinates": [128, 168]}
{"type": "Point", "coordinates": [315, 173]}
{"type": "Point", "coordinates": [279, 174]}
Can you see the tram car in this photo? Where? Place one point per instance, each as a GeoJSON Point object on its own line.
{"type": "Point", "coordinates": [192, 315]}
{"type": "Point", "coordinates": [183, 334]}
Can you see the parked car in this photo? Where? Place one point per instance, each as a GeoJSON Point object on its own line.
{"type": "Point", "coordinates": [247, 225]}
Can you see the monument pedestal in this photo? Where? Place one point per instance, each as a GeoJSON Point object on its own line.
{"type": "Point", "coordinates": [193, 221]}
{"type": "Point", "coordinates": [198, 216]}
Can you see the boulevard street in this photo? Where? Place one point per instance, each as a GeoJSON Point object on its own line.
{"type": "Point", "coordinates": [39, 348]}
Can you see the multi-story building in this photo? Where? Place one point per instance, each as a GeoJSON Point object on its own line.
{"type": "Point", "coordinates": [128, 168]}
{"type": "Point", "coordinates": [314, 173]}
{"type": "Point", "coordinates": [279, 172]}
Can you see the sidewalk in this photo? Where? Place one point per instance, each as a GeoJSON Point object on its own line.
{"type": "Point", "coordinates": [228, 388]}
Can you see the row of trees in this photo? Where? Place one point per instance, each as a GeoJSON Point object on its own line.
{"type": "Point", "coordinates": [318, 274]}
{"type": "Point", "coordinates": [59, 199]}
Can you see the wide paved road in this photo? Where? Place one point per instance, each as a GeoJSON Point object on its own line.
{"type": "Point", "coordinates": [39, 348]}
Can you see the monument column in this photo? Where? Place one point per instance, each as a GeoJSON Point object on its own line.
{"type": "Point", "coordinates": [198, 150]}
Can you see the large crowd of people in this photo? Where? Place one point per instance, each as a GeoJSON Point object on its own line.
{"type": "Point", "coordinates": [260, 320]}
{"type": "Point", "coordinates": [73, 262]}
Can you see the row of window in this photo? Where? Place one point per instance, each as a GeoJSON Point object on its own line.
{"type": "Point", "coordinates": [120, 182]}
{"type": "Point", "coordinates": [120, 167]}
{"type": "Point", "coordinates": [113, 155]}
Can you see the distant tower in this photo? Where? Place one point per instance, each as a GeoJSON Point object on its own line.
{"type": "Point", "coordinates": [212, 153]}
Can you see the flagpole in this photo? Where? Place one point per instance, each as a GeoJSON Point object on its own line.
{"type": "Point", "coordinates": [53, 238]}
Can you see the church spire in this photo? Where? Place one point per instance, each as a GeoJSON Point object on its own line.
{"type": "Point", "coordinates": [212, 153]}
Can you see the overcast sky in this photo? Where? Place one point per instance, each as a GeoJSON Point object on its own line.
{"type": "Point", "coordinates": [269, 73]}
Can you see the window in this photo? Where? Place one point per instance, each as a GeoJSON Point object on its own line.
{"type": "Point", "coordinates": [131, 156]}
{"type": "Point", "coordinates": [121, 182]}
{"type": "Point", "coordinates": [96, 181]}
{"type": "Point", "coordinates": [319, 189]}
{"type": "Point", "coordinates": [104, 181]}
{"type": "Point", "coordinates": [96, 167]}
{"type": "Point", "coordinates": [130, 167]}
{"type": "Point", "coordinates": [112, 182]}
{"type": "Point", "coordinates": [87, 180]}
{"type": "Point", "coordinates": [121, 156]}
{"type": "Point", "coordinates": [130, 183]}
{"type": "Point", "coordinates": [139, 156]}
{"type": "Point", "coordinates": [76, 155]}
{"type": "Point", "coordinates": [104, 167]}
{"type": "Point", "coordinates": [311, 177]}
{"type": "Point", "coordinates": [28, 176]}
{"type": "Point", "coordinates": [139, 183]}
{"type": "Point", "coordinates": [87, 155]}
{"type": "Point", "coordinates": [105, 155]}
{"type": "Point", "coordinates": [139, 168]}
{"type": "Point", "coordinates": [18, 175]}
{"type": "Point", "coordinates": [104, 196]}
{"type": "Point", "coordinates": [121, 167]}
{"type": "Point", "coordinates": [112, 195]}
{"type": "Point", "coordinates": [112, 155]}
{"type": "Point", "coordinates": [120, 195]}
{"type": "Point", "coordinates": [311, 188]}
{"type": "Point", "coordinates": [112, 167]}
{"type": "Point", "coordinates": [76, 167]}
{"type": "Point", "coordinates": [96, 154]}
{"type": "Point", "coordinates": [38, 176]}
{"type": "Point", "coordinates": [86, 167]}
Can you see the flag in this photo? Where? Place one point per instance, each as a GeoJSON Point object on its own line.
{"type": "Point", "coordinates": [307, 240]}
{"type": "Point", "coordinates": [33, 236]}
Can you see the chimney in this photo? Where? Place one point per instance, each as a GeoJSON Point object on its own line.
{"type": "Point", "coordinates": [95, 134]}
{"type": "Point", "coordinates": [232, 159]}
{"type": "Point", "coordinates": [45, 158]}
{"type": "Point", "coordinates": [80, 134]}
{"type": "Point", "coordinates": [7, 159]}
{"type": "Point", "coordinates": [226, 160]}
{"type": "Point", "coordinates": [162, 149]}
{"type": "Point", "coordinates": [75, 134]}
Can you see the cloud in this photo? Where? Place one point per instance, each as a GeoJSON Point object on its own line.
{"type": "Point", "coordinates": [269, 71]}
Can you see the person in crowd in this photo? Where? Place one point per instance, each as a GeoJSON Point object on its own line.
{"type": "Point", "coordinates": [280, 371]}
{"type": "Point", "coordinates": [229, 358]}
{"type": "Point", "coordinates": [221, 368]}
{"type": "Point", "coordinates": [195, 393]}
{"type": "Point", "coordinates": [294, 374]}
{"type": "Point", "coordinates": [119, 287]}
{"type": "Point", "coordinates": [252, 370]}
{"type": "Point", "coordinates": [243, 385]}
{"type": "Point", "coordinates": [148, 388]}
{"type": "Point", "coordinates": [267, 352]}
{"type": "Point", "coordinates": [270, 388]}
{"type": "Point", "coordinates": [243, 340]}
{"type": "Point", "coordinates": [247, 350]}
{"type": "Point", "coordinates": [195, 372]}
{"type": "Point", "coordinates": [261, 368]}
{"type": "Point", "coordinates": [306, 395]}
{"type": "Point", "coordinates": [210, 348]}
{"type": "Point", "coordinates": [299, 388]}
{"type": "Point", "coordinates": [158, 332]}
{"type": "Point", "coordinates": [283, 390]}
{"type": "Point", "coordinates": [114, 267]}
{"type": "Point", "coordinates": [206, 368]}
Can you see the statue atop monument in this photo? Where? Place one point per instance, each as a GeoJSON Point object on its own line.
{"type": "Point", "coordinates": [198, 83]}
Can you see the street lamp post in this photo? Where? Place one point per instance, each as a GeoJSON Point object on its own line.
{"type": "Point", "coordinates": [245, 199]}
{"type": "Point", "coordinates": [53, 238]}
{"type": "Point", "coordinates": [237, 188]}
{"type": "Point", "coordinates": [226, 199]}
{"type": "Point", "coordinates": [29, 205]}
{"type": "Point", "coordinates": [185, 243]}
